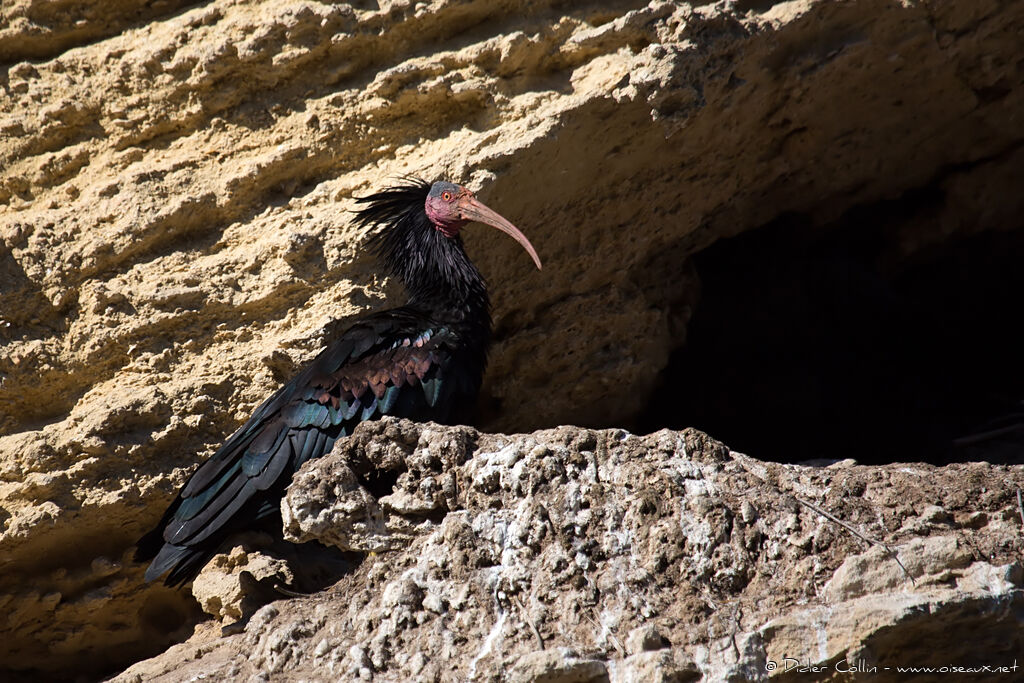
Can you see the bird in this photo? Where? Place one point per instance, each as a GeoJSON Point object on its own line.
{"type": "Point", "coordinates": [423, 361]}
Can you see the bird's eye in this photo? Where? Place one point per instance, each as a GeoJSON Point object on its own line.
{"type": "Point", "coordinates": [447, 196]}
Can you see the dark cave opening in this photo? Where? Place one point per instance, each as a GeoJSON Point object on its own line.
{"type": "Point", "coordinates": [825, 343]}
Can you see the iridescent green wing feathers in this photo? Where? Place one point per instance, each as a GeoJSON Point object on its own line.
{"type": "Point", "coordinates": [395, 363]}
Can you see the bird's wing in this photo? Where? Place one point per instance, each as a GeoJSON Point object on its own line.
{"type": "Point", "coordinates": [388, 364]}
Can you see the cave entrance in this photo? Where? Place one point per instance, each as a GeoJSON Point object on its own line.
{"type": "Point", "coordinates": [842, 341]}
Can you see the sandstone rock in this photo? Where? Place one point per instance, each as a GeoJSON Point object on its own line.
{"type": "Point", "coordinates": [556, 666]}
{"type": "Point", "coordinates": [333, 507]}
{"type": "Point", "coordinates": [600, 555]}
{"type": "Point", "coordinates": [666, 666]}
{"type": "Point", "coordinates": [221, 588]}
{"type": "Point", "coordinates": [643, 639]}
{"type": "Point", "coordinates": [175, 240]}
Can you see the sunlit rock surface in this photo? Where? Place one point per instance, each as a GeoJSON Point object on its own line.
{"type": "Point", "coordinates": [581, 555]}
{"type": "Point", "coordinates": [175, 240]}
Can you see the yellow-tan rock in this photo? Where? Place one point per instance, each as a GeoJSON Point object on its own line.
{"type": "Point", "coordinates": [175, 236]}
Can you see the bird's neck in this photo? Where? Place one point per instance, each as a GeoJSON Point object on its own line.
{"type": "Point", "coordinates": [440, 279]}
{"type": "Point", "coordinates": [448, 286]}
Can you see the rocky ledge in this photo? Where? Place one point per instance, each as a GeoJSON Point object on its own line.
{"type": "Point", "coordinates": [581, 555]}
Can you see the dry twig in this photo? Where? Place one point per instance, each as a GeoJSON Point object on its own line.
{"type": "Point", "coordinates": [528, 620]}
{"type": "Point", "coordinates": [615, 641]}
{"type": "Point", "coordinates": [810, 506]}
{"type": "Point", "coordinates": [867, 539]}
{"type": "Point", "coordinates": [1020, 508]}
{"type": "Point", "coordinates": [984, 436]}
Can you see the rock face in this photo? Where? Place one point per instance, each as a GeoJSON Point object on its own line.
{"type": "Point", "coordinates": [579, 555]}
{"type": "Point", "coordinates": [175, 239]}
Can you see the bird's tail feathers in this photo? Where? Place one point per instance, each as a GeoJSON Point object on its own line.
{"type": "Point", "coordinates": [183, 562]}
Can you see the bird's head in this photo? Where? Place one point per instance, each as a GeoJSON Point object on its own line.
{"type": "Point", "coordinates": [450, 206]}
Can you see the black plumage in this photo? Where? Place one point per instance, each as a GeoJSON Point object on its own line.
{"type": "Point", "coordinates": [422, 361]}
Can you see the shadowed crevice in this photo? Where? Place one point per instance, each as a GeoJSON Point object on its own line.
{"type": "Point", "coordinates": [830, 342]}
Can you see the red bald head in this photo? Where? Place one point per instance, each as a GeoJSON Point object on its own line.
{"type": "Point", "coordinates": [450, 206]}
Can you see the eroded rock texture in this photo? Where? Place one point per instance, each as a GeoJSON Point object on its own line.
{"type": "Point", "coordinates": [578, 555]}
{"type": "Point", "coordinates": [174, 184]}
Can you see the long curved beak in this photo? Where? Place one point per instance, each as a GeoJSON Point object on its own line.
{"type": "Point", "coordinates": [473, 209]}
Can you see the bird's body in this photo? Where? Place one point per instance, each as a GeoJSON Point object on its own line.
{"type": "Point", "coordinates": [422, 361]}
